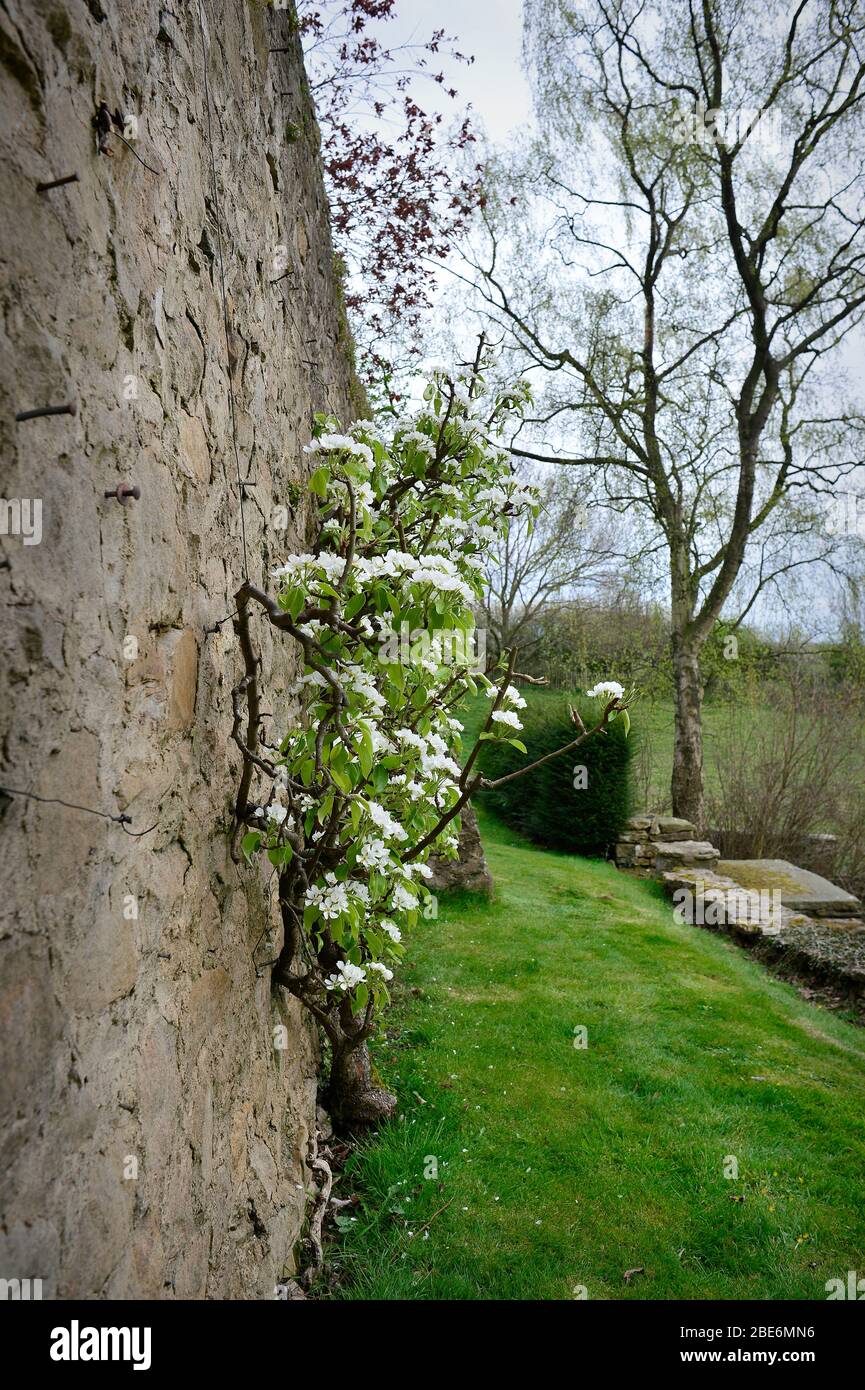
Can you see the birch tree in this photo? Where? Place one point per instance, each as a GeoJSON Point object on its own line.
{"type": "Point", "coordinates": [679, 257]}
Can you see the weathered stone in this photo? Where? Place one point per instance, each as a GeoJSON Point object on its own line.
{"type": "Point", "coordinates": [707, 898]}
{"type": "Point", "coordinates": [673, 828]}
{"type": "Point", "coordinates": [181, 658]}
{"type": "Point", "coordinates": [673, 854]}
{"type": "Point", "coordinates": [820, 949]}
{"type": "Point", "coordinates": [799, 889]}
{"type": "Point", "coordinates": [193, 448]}
{"type": "Point", "coordinates": [137, 1022]}
{"type": "Point", "coordinates": [469, 872]}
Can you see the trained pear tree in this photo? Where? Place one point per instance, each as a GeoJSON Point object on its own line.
{"type": "Point", "coordinates": [368, 780]}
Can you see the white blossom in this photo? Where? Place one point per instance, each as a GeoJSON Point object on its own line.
{"type": "Point", "coordinates": [346, 976]}
{"type": "Point", "coordinates": [606, 690]}
{"type": "Point", "coordinates": [403, 900]}
{"type": "Point", "coordinates": [374, 854]}
{"type": "Point", "coordinates": [380, 969]}
{"type": "Point", "coordinates": [384, 821]}
{"type": "Point", "coordinates": [507, 716]}
{"type": "Point", "coordinates": [330, 443]}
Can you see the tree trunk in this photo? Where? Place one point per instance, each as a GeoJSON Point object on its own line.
{"type": "Point", "coordinates": [353, 1101]}
{"type": "Point", "coordinates": [687, 782]}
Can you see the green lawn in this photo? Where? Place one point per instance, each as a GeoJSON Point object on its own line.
{"type": "Point", "coordinates": [654, 724]}
{"type": "Point", "coordinates": [561, 1167]}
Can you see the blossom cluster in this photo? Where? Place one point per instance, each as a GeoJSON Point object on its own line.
{"type": "Point", "coordinates": [368, 771]}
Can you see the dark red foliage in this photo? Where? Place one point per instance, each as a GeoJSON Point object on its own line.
{"type": "Point", "coordinates": [397, 200]}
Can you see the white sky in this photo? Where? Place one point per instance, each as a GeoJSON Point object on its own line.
{"type": "Point", "coordinates": [491, 30]}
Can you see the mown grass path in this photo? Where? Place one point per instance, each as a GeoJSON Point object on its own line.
{"type": "Point", "coordinates": [561, 1167]}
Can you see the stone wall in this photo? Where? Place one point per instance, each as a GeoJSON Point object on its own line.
{"type": "Point", "coordinates": [138, 1032]}
{"type": "Point", "coordinates": [653, 844]}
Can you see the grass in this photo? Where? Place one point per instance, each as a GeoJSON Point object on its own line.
{"type": "Point", "coordinates": [654, 727]}
{"type": "Point", "coordinates": [562, 1168]}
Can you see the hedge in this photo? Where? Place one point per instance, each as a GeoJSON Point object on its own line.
{"type": "Point", "coordinates": [546, 805]}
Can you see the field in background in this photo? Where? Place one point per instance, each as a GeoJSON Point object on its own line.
{"type": "Point", "coordinates": [652, 727]}
{"type": "Point", "coordinates": [652, 722]}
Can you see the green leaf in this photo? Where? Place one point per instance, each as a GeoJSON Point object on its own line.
{"type": "Point", "coordinates": [379, 777]}
{"type": "Point", "coordinates": [366, 754]}
{"type": "Point", "coordinates": [250, 842]}
{"type": "Point", "coordinates": [342, 779]}
{"type": "Point", "coordinates": [319, 481]}
{"type": "Point", "coordinates": [293, 601]}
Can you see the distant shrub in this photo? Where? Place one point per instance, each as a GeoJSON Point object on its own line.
{"type": "Point", "coordinates": [581, 813]}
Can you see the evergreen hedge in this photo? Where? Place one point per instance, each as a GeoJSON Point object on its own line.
{"type": "Point", "coordinates": [545, 805]}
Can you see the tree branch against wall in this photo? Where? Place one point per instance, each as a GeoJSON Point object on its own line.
{"type": "Point", "coordinates": [366, 783]}
{"type": "Point", "coordinates": [390, 164]}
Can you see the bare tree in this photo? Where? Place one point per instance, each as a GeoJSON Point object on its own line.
{"type": "Point", "coordinates": [680, 258]}
{"type": "Point", "coordinates": [541, 568]}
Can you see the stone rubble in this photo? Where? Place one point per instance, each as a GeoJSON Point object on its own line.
{"type": "Point", "coordinates": [658, 843]}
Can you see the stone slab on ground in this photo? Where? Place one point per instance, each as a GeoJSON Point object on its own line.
{"type": "Point", "coordinates": [713, 899]}
{"type": "Point", "coordinates": [823, 949]}
{"type": "Point", "coordinates": [800, 890]}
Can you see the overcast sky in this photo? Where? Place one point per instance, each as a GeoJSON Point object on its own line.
{"type": "Point", "coordinates": [490, 30]}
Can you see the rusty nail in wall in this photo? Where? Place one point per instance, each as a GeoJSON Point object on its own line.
{"type": "Point", "coordinates": [123, 492]}
{"type": "Point", "coordinates": [69, 409]}
{"type": "Point", "coordinates": [56, 183]}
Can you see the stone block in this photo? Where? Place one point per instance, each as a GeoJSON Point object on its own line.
{"type": "Point", "coordinates": [672, 854]}
{"type": "Point", "coordinates": [673, 828]}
